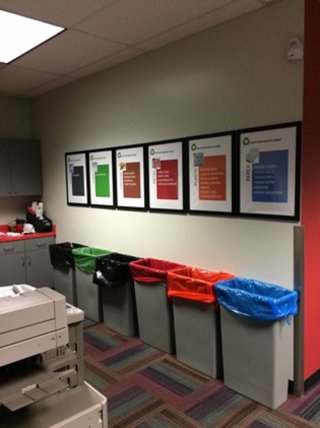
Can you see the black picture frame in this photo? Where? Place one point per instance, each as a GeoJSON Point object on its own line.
{"type": "Point", "coordinates": [107, 193]}
{"type": "Point", "coordinates": [77, 183]}
{"type": "Point", "coordinates": [216, 154]}
{"type": "Point", "coordinates": [133, 194]}
{"type": "Point", "coordinates": [269, 171]}
{"type": "Point", "coordinates": [158, 154]}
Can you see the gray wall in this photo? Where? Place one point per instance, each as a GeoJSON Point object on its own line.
{"type": "Point", "coordinates": [233, 76]}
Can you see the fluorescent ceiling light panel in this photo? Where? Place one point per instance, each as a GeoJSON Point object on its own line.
{"type": "Point", "coordinates": [19, 34]}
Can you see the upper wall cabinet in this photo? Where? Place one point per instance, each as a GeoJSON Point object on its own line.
{"type": "Point", "coordinates": [20, 167]}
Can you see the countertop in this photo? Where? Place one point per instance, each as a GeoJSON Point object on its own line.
{"type": "Point", "coordinates": [5, 238]}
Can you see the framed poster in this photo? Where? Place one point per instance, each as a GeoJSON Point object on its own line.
{"type": "Point", "coordinates": [130, 173]}
{"type": "Point", "coordinates": [269, 171]}
{"type": "Point", "coordinates": [101, 178]}
{"type": "Point", "coordinates": [210, 161]}
{"type": "Point", "coordinates": [165, 166]}
{"type": "Point", "coordinates": [77, 178]}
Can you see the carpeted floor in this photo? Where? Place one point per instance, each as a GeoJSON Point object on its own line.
{"type": "Point", "coordinates": [147, 388]}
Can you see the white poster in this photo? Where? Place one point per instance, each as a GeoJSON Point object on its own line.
{"type": "Point", "coordinates": [76, 171]}
{"type": "Point", "coordinates": [101, 178]}
{"type": "Point", "coordinates": [210, 174]}
{"type": "Point", "coordinates": [268, 171]}
{"type": "Point", "coordinates": [165, 176]}
{"type": "Point", "coordinates": [130, 177]}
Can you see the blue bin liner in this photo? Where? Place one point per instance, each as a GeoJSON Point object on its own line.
{"type": "Point", "coordinates": [256, 299]}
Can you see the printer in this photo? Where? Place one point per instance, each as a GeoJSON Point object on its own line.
{"type": "Point", "coordinates": [41, 363]}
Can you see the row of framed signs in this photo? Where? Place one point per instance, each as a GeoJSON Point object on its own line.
{"type": "Point", "coordinates": [251, 172]}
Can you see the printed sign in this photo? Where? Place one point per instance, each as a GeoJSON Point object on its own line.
{"type": "Point", "coordinates": [76, 173]}
{"type": "Point", "coordinates": [268, 171]}
{"type": "Point", "coordinates": [166, 176]}
{"type": "Point", "coordinates": [130, 177]}
{"type": "Point", "coordinates": [101, 178]}
{"type": "Point", "coordinates": [210, 175]}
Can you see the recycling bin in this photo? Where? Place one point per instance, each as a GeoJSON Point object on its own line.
{"type": "Point", "coordinates": [114, 277]}
{"type": "Point", "coordinates": [256, 344]}
{"type": "Point", "coordinates": [154, 309]}
{"type": "Point", "coordinates": [62, 260]}
{"type": "Point", "coordinates": [197, 318]}
{"type": "Point", "coordinates": [88, 294]}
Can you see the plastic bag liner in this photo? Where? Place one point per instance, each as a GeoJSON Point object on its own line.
{"type": "Point", "coordinates": [152, 270]}
{"type": "Point", "coordinates": [61, 256]}
{"type": "Point", "coordinates": [256, 299]}
{"type": "Point", "coordinates": [195, 284]}
{"type": "Point", "coordinates": [85, 258]}
{"type": "Point", "coordinates": [113, 269]}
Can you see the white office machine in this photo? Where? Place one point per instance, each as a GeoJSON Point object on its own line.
{"type": "Point", "coordinates": [41, 363]}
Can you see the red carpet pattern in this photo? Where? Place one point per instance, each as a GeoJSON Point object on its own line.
{"type": "Point", "coordinates": [147, 388]}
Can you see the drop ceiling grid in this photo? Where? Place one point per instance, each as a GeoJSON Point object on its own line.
{"type": "Point", "coordinates": [103, 33]}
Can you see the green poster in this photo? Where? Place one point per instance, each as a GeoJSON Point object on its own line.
{"type": "Point", "coordinates": [102, 181]}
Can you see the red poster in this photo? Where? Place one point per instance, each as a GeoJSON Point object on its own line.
{"type": "Point", "coordinates": [131, 180]}
{"type": "Point", "coordinates": [167, 179]}
{"type": "Point", "coordinates": [212, 179]}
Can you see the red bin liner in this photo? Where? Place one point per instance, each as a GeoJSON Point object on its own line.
{"type": "Point", "coordinates": [152, 270]}
{"type": "Point", "coordinates": [195, 284]}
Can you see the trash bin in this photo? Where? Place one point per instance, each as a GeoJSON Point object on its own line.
{"type": "Point", "coordinates": [62, 260]}
{"type": "Point", "coordinates": [88, 294]}
{"type": "Point", "coordinates": [154, 309]}
{"type": "Point", "coordinates": [114, 277]}
{"type": "Point", "coordinates": [256, 342]}
{"type": "Point", "coordinates": [196, 318]}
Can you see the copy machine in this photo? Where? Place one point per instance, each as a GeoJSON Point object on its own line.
{"type": "Point", "coordinates": [41, 363]}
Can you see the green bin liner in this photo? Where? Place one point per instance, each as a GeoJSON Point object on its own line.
{"type": "Point", "coordinates": [85, 258]}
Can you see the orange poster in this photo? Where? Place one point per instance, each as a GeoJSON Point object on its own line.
{"type": "Point", "coordinates": [212, 179]}
{"type": "Point", "coordinates": [131, 180]}
{"type": "Point", "coordinates": [167, 179]}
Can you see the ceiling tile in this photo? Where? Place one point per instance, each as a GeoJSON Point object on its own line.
{"type": "Point", "coordinates": [15, 80]}
{"type": "Point", "coordinates": [105, 33]}
{"type": "Point", "coordinates": [223, 14]}
{"type": "Point", "coordinates": [53, 84]}
{"type": "Point", "coordinates": [60, 12]}
{"type": "Point", "coordinates": [67, 52]}
{"type": "Point", "coordinates": [131, 21]}
{"type": "Point", "coordinates": [105, 63]}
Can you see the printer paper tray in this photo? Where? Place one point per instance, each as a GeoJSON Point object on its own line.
{"type": "Point", "coordinates": [18, 394]}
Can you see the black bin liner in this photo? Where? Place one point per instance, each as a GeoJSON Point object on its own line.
{"type": "Point", "coordinates": [112, 270]}
{"type": "Point", "coordinates": [61, 256]}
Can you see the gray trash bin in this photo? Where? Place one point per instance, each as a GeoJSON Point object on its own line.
{"type": "Point", "coordinates": [256, 341]}
{"type": "Point", "coordinates": [154, 310]}
{"type": "Point", "coordinates": [114, 277]}
{"type": "Point", "coordinates": [62, 260]}
{"type": "Point", "coordinates": [197, 318]}
{"type": "Point", "coordinates": [88, 294]}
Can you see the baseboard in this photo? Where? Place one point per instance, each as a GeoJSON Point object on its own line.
{"type": "Point", "coordinates": [312, 381]}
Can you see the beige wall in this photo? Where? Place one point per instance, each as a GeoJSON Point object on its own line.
{"type": "Point", "coordinates": [233, 76]}
{"type": "Point", "coordinates": [15, 122]}
{"type": "Point", "coordinates": [15, 117]}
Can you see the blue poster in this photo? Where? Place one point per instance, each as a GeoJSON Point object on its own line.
{"type": "Point", "coordinates": [270, 177]}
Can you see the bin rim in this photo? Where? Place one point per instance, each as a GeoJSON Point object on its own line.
{"type": "Point", "coordinates": [264, 306]}
{"type": "Point", "coordinates": [286, 292]}
{"type": "Point", "coordinates": [182, 284]}
{"type": "Point", "coordinates": [142, 272]}
{"type": "Point", "coordinates": [83, 251]}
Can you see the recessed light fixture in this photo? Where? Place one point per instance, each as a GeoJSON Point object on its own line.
{"type": "Point", "coordinates": [19, 35]}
